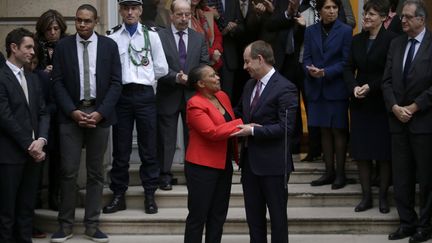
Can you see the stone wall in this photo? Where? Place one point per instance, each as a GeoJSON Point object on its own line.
{"type": "Point", "coordinates": [24, 13]}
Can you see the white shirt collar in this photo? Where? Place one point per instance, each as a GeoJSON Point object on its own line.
{"type": "Point", "coordinates": [14, 68]}
{"type": "Point", "coordinates": [174, 30]}
{"type": "Point", "coordinates": [92, 38]}
{"type": "Point", "coordinates": [420, 36]}
{"type": "Point", "coordinates": [264, 80]}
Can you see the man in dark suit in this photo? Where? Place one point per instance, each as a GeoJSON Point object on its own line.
{"type": "Point", "coordinates": [24, 127]}
{"type": "Point", "coordinates": [230, 24]}
{"type": "Point", "coordinates": [183, 52]}
{"type": "Point", "coordinates": [268, 107]}
{"type": "Point", "coordinates": [407, 90]}
{"type": "Point", "coordinates": [87, 85]}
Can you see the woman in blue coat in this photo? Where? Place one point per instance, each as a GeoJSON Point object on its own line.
{"type": "Point", "coordinates": [326, 51]}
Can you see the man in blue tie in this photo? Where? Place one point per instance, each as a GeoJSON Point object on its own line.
{"type": "Point", "coordinates": [407, 90]}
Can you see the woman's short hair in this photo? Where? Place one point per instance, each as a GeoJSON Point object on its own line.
{"type": "Point", "coordinates": [381, 6]}
{"type": "Point", "coordinates": [320, 4]}
{"type": "Point", "coordinates": [196, 74]}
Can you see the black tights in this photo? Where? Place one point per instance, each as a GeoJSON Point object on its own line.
{"type": "Point", "coordinates": [365, 174]}
{"type": "Point", "coordinates": [334, 142]}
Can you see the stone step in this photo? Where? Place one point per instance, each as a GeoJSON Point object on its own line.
{"type": "Point", "coordinates": [235, 238]}
{"type": "Point", "coordinates": [301, 220]}
{"type": "Point", "coordinates": [305, 172]}
{"type": "Point", "coordinates": [299, 195]}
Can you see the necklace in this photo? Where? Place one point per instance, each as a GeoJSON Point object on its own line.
{"type": "Point", "coordinates": [144, 60]}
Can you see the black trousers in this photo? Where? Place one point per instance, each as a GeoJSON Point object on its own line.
{"type": "Point", "coordinates": [209, 191]}
{"type": "Point", "coordinates": [261, 192]}
{"type": "Point", "coordinates": [412, 159]}
{"type": "Point", "coordinates": [137, 105]}
{"type": "Point", "coordinates": [18, 186]}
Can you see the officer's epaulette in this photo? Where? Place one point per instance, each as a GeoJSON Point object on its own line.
{"type": "Point", "coordinates": [150, 28]}
{"type": "Point", "coordinates": [113, 29]}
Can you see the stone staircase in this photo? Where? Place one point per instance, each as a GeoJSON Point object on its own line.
{"type": "Point", "coordinates": [312, 211]}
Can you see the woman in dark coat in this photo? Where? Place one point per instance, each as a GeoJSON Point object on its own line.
{"type": "Point", "coordinates": [326, 51]}
{"type": "Point", "coordinates": [370, 136]}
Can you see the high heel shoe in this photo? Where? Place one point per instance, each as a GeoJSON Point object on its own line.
{"type": "Point", "coordinates": [383, 205]}
{"type": "Point", "coordinates": [365, 204]}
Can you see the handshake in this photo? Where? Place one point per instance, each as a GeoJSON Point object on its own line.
{"type": "Point", "coordinates": [36, 150]}
{"type": "Point", "coordinates": [245, 130]}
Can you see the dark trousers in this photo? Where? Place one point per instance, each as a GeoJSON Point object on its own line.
{"type": "Point", "coordinates": [208, 199]}
{"type": "Point", "coordinates": [137, 105]}
{"type": "Point", "coordinates": [167, 139]}
{"type": "Point", "coordinates": [261, 192]}
{"type": "Point", "coordinates": [411, 158]}
{"type": "Point", "coordinates": [72, 139]}
{"type": "Point", "coordinates": [53, 159]}
{"type": "Point", "coordinates": [18, 186]}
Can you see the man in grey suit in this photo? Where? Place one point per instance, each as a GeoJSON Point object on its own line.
{"type": "Point", "coordinates": [87, 85]}
{"type": "Point", "coordinates": [184, 49]}
{"type": "Point", "coordinates": [407, 90]}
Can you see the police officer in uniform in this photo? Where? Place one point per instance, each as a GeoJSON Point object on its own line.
{"type": "Point", "coordinates": [143, 61]}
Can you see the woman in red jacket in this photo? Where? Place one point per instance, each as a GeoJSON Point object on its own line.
{"type": "Point", "coordinates": [208, 166]}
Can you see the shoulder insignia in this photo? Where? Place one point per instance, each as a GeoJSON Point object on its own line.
{"type": "Point", "coordinates": [113, 29]}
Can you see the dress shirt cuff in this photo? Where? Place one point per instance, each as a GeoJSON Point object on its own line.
{"type": "Point", "coordinates": [252, 131]}
{"type": "Point", "coordinates": [177, 78]}
{"type": "Point", "coordinates": [43, 139]}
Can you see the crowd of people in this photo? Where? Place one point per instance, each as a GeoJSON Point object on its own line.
{"type": "Point", "coordinates": [234, 71]}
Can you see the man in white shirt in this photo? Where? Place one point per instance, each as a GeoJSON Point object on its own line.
{"type": "Point", "coordinates": [143, 61]}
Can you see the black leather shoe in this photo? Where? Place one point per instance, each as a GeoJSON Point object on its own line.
{"type": "Point", "coordinates": [310, 158]}
{"type": "Point", "coordinates": [326, 179]}
{"type": "Point", "coordinates": [166, 186]}
{"type": "Point", "coordinates": [365, 204]}
{"type": "Point", "coordinates": [400, 234]}
{"type": "Point", "coordinates": [150, 206]}
{"type": "Point", "coordinates": [117, 203]}
{"type": "Point", "coordinates": [339, 182]}
{"type": "Point", "coordinates": [420, 236]}
{"type": "Point", "coordinates": [383, 206]}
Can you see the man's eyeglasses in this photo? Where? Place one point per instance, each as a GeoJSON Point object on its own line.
{"type": "Point", "coordinates": [407, 17]}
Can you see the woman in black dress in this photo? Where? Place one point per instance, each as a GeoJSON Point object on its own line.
{"type": "Point", "coordinates": [370, 136]}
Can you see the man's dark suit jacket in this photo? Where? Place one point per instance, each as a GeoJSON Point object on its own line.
{"type": "Point", "coordinates": [275, 111]}
{"type": "Point", "coordinates": [169, 92]}
{"type": "Point", "coordinates": [232, 14]}
{"type": "Point", "coordinates": [2, 60]}
{"type": "Point", "coordinates": [418, 88]}
{"type": "Point", "coordinates": [18, 118]}
{"type": "Point", "coordinates": [66, 79]}
{"type": "Point", "coordinates": [281, 25]}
